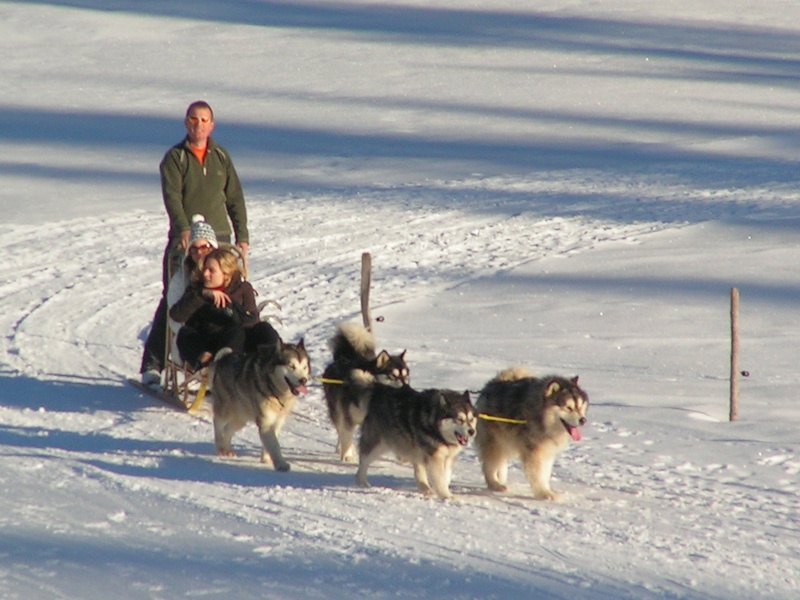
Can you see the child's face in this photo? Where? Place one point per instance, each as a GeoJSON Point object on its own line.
{"type": "Point", "coordinates": [213, 277]}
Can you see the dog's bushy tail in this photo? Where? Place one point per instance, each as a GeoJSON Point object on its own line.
{"type": "Point", "coordinates": [513, 374]}
{"type": "Point", "coordinates": [352, 342]}
{"type": "Point", "coordinates": [212, 368]}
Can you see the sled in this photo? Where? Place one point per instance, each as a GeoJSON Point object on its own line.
{"type": "Point", "coordinates": [204, 408]}
{"type": "Point", "coordinates": [183, 387]}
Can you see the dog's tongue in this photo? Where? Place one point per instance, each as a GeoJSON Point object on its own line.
{"type": "Point", "coordinates": [300, 388]}
{"type": "Point", "coordinates": [575, 433]}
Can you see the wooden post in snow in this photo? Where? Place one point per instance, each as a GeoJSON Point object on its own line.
{"type": "Point", "coordinates": [366, 279]}
{"type": "Point", "coordinates": [734, 400]}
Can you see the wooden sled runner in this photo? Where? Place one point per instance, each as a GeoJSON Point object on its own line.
{"type": "Point", "coordinates": [183, 387]}
{"type": "Point", "coordinates": [187, 388]}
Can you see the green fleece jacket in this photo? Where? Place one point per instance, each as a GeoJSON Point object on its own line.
{"type": "Point", "coordinates": [212, 189]}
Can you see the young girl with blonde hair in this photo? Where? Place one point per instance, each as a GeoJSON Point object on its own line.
{"type": "Point", "coordinates": [219, 311]}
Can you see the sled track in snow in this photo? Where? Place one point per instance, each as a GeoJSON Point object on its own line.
{"type": "Point", "coordinates": [298, 251]}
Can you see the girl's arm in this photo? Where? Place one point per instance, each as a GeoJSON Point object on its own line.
{"type": "Point", "coordinates": [189, 303]}
{"type": "Point", "coordinates": [251, 316]}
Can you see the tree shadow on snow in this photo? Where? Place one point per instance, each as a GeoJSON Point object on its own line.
{"type": "Point", "coordinates": [196, 564]}
{"type": "Point", "coordinates": [749, 55]}
{"type": "Point", "coordinates": [52, 407]}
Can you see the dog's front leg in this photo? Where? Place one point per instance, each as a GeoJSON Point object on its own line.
{"type": "Point", "coordinates": [449, 460]}
{"type": "Point", "coordinates": [271, 448]}
{"type": "Point", "coordinates": [271, 452]}
{"type": "Point", "coordinates": [538, 465]}
{"type": "Point", "coordinates": [437, 466]}
{"type": "Point", "coordinates": [421, 477]}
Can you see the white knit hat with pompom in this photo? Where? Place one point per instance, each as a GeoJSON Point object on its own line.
{"type": "Point", "coordinates": [202, 231]}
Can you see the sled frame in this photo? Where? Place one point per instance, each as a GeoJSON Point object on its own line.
{"type": "Point", "coordinates": [180, 380]}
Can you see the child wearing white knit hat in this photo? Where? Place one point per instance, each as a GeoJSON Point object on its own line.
{"type": "Point", "coordinates": [202, 231]}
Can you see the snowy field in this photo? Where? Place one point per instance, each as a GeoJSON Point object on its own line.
{"type": "Point", "coordinates": [573, 186]}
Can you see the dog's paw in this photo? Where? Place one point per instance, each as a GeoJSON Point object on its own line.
{"type": "Point", "coordinates": [548, 495]}
{"type": "Point", "coordinates": [283, 467]}
{"type": "Point", "coordinates": [426, 489]}
{"type": "Point", "coordinates": [497, 487]}
{"type": "Point", "coordinates": [348, 455]}
{"type": "Point", "coordinates": [228, 453]}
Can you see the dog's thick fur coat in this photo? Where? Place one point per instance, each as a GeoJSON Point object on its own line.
{"type": "Point", "coordinates": [355, 365]}
{"type": "Point", "coordinates": [427, 429]}
{"type": "Point", "coordinates": [261, 388]}
{"type": "Point", "coordinates": [551, 410]}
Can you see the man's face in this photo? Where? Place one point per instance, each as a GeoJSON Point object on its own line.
{"type": "Point", "coordinates": [199, 125]}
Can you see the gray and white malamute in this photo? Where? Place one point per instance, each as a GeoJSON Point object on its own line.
{"type": "Point", "coordinates": [427, 428]}
{"type": "Point", "coordinates": [355, 364]}
{"type": "Point", "coordinates": [529, 417]}
{"type": "Point", "coordinates": [260, 387]}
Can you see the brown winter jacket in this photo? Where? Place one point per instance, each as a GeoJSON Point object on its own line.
{"type": "Point", "coordinates": [199, 312]}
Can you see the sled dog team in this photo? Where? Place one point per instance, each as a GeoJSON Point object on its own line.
{"type": "Point", "coordinates": [256, 377]}
{"type": "Point", "coordinates": [516, 415]}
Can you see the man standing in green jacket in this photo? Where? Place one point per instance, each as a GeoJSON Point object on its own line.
{"type": "Point", "coordinates": [197, 178]}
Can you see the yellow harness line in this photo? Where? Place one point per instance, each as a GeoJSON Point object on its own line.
{"type": "Point", "coordinates": [483, 416]}
{"type": "Point", "coordinates": [198, 401]}
{"type": "Point", "coordinates": [486, 417]}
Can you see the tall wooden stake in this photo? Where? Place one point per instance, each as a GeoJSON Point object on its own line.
{"type": "Point", "coordinates": [734, 408]}
{"type": "Point", "coordinates": [366, 279]}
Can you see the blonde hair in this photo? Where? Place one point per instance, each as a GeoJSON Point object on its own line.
{"type": "Point", "coordinates": [228, 263]}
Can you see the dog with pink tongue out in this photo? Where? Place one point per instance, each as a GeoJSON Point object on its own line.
{"type": "Point", "coordinates": [529, 417]}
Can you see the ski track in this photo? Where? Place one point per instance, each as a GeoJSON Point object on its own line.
{"type": "Point", "coordinates": [299, 251]}
{"type": "Point", "coordinates": [290, 266]}
{"type": "Point", "coordinates": [457, 142]}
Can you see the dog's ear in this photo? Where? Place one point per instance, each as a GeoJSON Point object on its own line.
{"type": "Point", "coordinates": [552, 389]}
{"type": "Point", "coordinates": [575, 380]}
{"type": "Point", "coordinates": [382, 359]}
{"type": "Point", "coordinates": [403, 355]}
{"type": "Point", "coordinates": [301, 344]}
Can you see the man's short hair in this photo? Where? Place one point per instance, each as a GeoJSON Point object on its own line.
{"type": "Point", "coordinates": [199, 104]}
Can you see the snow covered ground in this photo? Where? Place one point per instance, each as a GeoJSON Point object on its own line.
{"type": "Point", "coordinates": [574, 187]}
